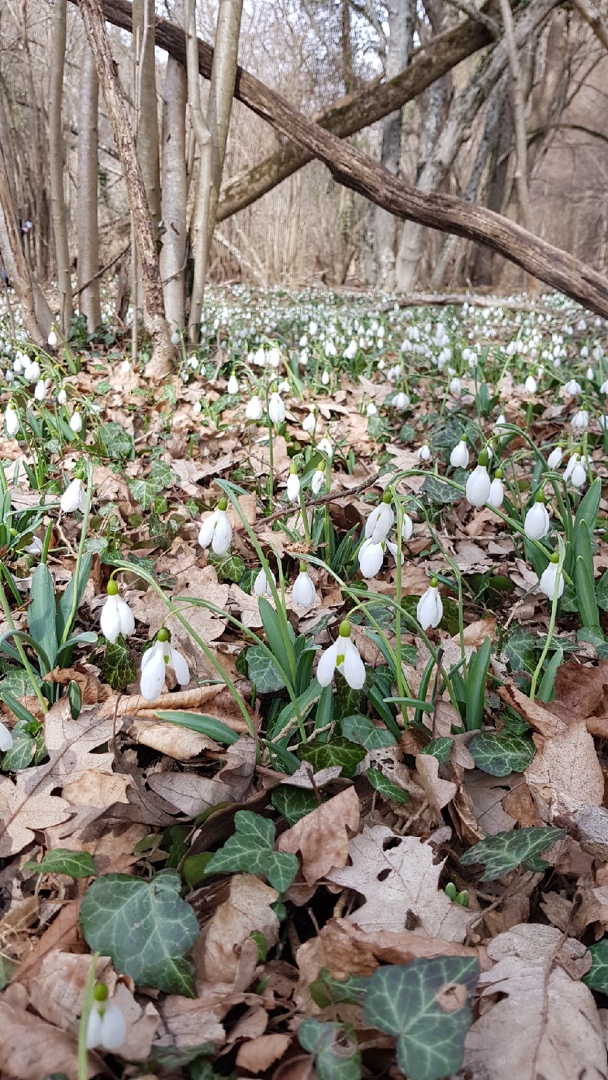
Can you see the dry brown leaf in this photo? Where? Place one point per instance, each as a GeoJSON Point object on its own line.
{"type": "Point", "coordinates": [487, 793]}
{"type": "Point", "coordinates": [247, 908]}
{"type": "Point", "coordinates": [545, 1024]}
{"type": "Point", "coordinates": [31, 1046]}
{"type": "Point", "coordinates": [565, 770]}
{"type": "Point", "coordinates": [538, 717]}
{"type": "Point", "coordinates": [91, 688]}
{"type": "Point", "coordinates": [438, 792]}
{"type": "Point", "coordinates": [322, 837]}
{"type": "Point", "coordinates": [399, 879]}
{"type": "Point", "coordinates": [176, 742]}
{"type": "Point", "coordinates": [188, 792]}
{"type": "Point", "coordinates": [259, 1054]}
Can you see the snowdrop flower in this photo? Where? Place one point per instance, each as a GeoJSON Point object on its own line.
{"type": "Point", "coordinates": [318, 480]}
{"type": "Point", "coordinates": [154, 662]}
{"type": "Point", "coordinates": [459, 458]}
{"type": "Point", "coordinates": [31, 371]}
{"type": "Point", "coordinates": [578, 476]}
{"type": "Point", "coordinates": [106, 1026]}
{"type": "Point", "coordinates": [580, 420]}
{"type": "Point", "coordinates": [254, 410]}
{"type": "Point", "coordinates": [590, 374]}
{"type": "Point", "coordinates": [324, 447]}
{"type": "Point", "coordinates": [424, 453]}
{"type": "Point", "coordinates": [62, 397]}
{"type": "Point", "coordinates": [407, 527]}
{"type": "Point", "coordinates": [197, 408]}
{"type": "Point", "coordinates": [9, 376]}
{"type": "Point", "coordinates": [216, 530]}
{"type": "Point", "coordinates": [116, 615]}
{"type": "Point", "coordinates": [52, 339]}
{"type": "Point", "coordinates": [429, 611]}
{"type": "Point", "coordinates": [400, 400]}
{"type": "Point", "coordinates": [261, 585]}
{"type": "Point", "coordinates": [497, 491]}
{"type": "Point", "coordinates": [500, 422]}
{"type": "Point", "coordinates": [380, 521]}
{"type": "Point", "coordinates": [6, 739]}
{"type": "Point", "coordinates": [455, 386]}
{"type": "Point", "coordinates": [549, 581]}
{"type": "Point", "coordinates": [284, 387]}
{"type": "Point", "coordinates": [40, 390]}
{"type": "Point", "coordinates": [371, 557]}
{"type": "Point", "coordinates": [11, 419]}
{"type": "Point", "coordinates": [370, 409]}
{"type": "Point", "coordinates": [309, 422]}
{"type": "Point", "coordinates": [76, 422]}
{"type": "Point", "coordinates": [175, 338]}
{"type": "Point", "coordinates": [276, 408]}
{"type": "Point", "coordinates": [325, 378]}
{"type": "Point", "coordinates": [530, 385]}
{"type": "Point", "coordinates": [604, 387]}
{"type": "Point", "coordinates": [351, 350]}
{"type": "Point", "coordinates": [555, 457]}
{"type": "Point", "coordinates": [572, 387]}
{"type": "Point", "coordinates": [537, 521]}
{"type": "Point", "coordinates": [304, 593]}
{"type": "Point", "coordinates": [344, 656]}
{"type": "Point", "coordinates": [293, 483]}
{"type": "Point", "coordinates": [233, 385]}
{"type": "Point", "coordinates": [74, 497]}
{"type": "Point", "coordinates": [478, 485]}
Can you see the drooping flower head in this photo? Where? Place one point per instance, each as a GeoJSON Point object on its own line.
{"type": "Point", "coordinates": [478, 482]}
{"type": "Point", "coordinates": [154, 663]}
{"type": "Point", "coordinates": [429, 611]}
{"type": "Point", "coordinates": [381, 520]}
{"type": "Point", "coordinates": [343, 655]}
{"type": "Point", "coordinates": [550, 581]}
{"type": "Point", "coordinates": [304, 593]}
{"type": "Point", "coordinates": [116, 615]}
{"type": "Point", "coordinates": [216, 531]}
{"type": "Point", "coordinates": [106, 1026]}
{"type": "Point", "coordinates": [537, 521]}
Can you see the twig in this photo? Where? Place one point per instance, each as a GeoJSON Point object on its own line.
{"type": "Point", "coordinates": [312, 504]}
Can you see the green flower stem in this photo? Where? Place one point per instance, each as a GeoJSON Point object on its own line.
{"type": "Point", "coordinates": [401, 682]}
{"type": "Point", "coordinates": [565, 516]}
{"type": "Point", "coordinates": [83, 539]}
{"type": "Point", "coordinates": [552, 620]}
{"type": "Point", "coordinates": [4, 604]}
{"type": "Point", "coordinates": [87, 1004]}
{"type": "Point", "coordinates": [304, 517]}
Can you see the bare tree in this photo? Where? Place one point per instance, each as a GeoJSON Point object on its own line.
{"type": "Point", "coordinates": [174, 188]}
{"type": "Point", "coordinates": [56, 156]}
{"type": "Point", "coordinates": [88, 230]}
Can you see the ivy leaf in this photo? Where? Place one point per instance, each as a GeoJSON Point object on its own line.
{"type": "Point", "coordinates": [426, 1005]}
{"type": "Point", "coordinates": [439, 492]}
{"type": "Point", "coordinates": [501, 754]}
{"type": "Point", "coordinates": [506, 850]}
{"type": "Point", "coordinates": [326, 990]}
{"type": "Point", "coordinates": [262, 671]}
{"type": "Point", "coordinates": [293, 803]}
{"type": "Point", "coordinates": [118, 665]}
{"type": "Point", "coordinates": [339, 751]}
{"type": "Point", "coordinates": [75, 864]}
{"type": "Point", "coordinates": [387, 787]}
{"type": "Point", "coordinates": [114, 442]}
{"type": "Point", "coordinates": [335, 1046]}
{"type": "Point", "coordinates": [144, 492]}
{"type": "Point", "coordinates": [22, 751]}
{"type": "Point", "coordinates": [407, 433]}
{"type": "Point", "coordinates": [251, 850]}
{"type": "Point", "coordinates": [229, 567]}
{"type": "Point", "coordinates": [439, 748]}
{"type": "Point", "coordinates": [519, 650]}
{"type": "Point", "coordinates": [360, 729]}
{"type": "Point", "coordinates": [145, 927]}
{"type": "Point", "coordinates": [597, 976]}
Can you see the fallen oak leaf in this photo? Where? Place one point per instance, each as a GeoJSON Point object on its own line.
{"type": "Point", "coordinates": [322, 837]}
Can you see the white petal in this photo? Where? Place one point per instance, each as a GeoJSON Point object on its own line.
{"type": "Point", "coordinates": [371, 557]}
{"type": "Point", "coordinates": [93, 1036]}
{"type": "Point", "coordinates": [222, 534]}
{"type": "Point", "coordinates": [110, 619]}
{"type": "Point", "coordinates": [353, 668]}
{"type": "Point", "coordinates": [205, 535]}
{"type": "Point", "coordinates": [293, 487]}
{"type": "Point", "coordinates": [478, 486]}
{"type": "Point", "coordinates": [127, 619]}
{"type": "Point", "coordinates": [72, 496]}
{"type": "Point", "coordinates": [180, 667]}
{"type": "Point", "coordinates": [537, 522]}
{"type": "Point", "coordinates": [327, 665]}
{"type": "Point", "coordinates": [304, 593]}
{"type": "Point", "coordinates": [429, 611]}
{"type": "Point", "coordinates": [6, 739]}
{"type": "Point", "coordinates": [152, 672]}
{"type": "Point", "coordinates": [113, 1027]}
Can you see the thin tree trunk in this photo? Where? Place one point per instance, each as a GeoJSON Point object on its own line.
{"type": "Point", "coordinates": [202, 137]}
{"type": "Point", "coordinates": [92, 14]}
{"type": "Point", "coordinates": [88, 232]}
{"type": "Point", "coordinates": [147, 122]}
{"type": "Point", "coordinates": [60, 227]}
{"type": "Point", "coordinates": [592, 16]}
{"type": "Point", "coordinates": [519, 116]}
{"type": "Point", "coordinates": [36, 322]}
{"type": "Point", "coordinates": [174, 189]}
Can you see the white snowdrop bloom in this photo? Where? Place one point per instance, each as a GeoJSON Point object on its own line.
{"type": "Point", "coordinates": [455, 386]}
{"type": "Point", "coordinates": [193, 363]}
{"type": "Point", "coordinates": [304, 593]}
{"type": "Point", "coordinates": [407, 527]}
{"type": "Point", "coordinates": [74, 497]}
{"type": "Point", "coordinates": [581, 325]}
{"type": "Point", "coordinates": [35, 548]}
{"type": "Point", "coordinates": [309, 422]}
{"type": "Point", "coordinates": [284, 387]}
{"type": "Point", "coordinates": [330, 349]}
{"type": "Point", "coordinates": [603, 422]}
{"type": "Point", "coordinates": [106, 1025]}
{"type": "Point", "coordinates": [9, 375]}
{"type": "Point", "coordinates": [497, 493]}
{"type": "Point", "coordinates": [62, 397]}
{"type": "Point", "coordinates": [312, 328]}
{"type": "Point", "coordinates": [254, 410]}
{"type": "Point", "coordinates": [293, 485]}
{"type": "Point", "coordinates": [423, 453]}
{"type": "Point", "coordinates": [351, 350]}
{"type": "Point", "coordinates": [303, 342]}
{"type": "Point", "coordinates": [76, 422]}
{"type": "Point", "coordinates": [459, 458]}
{"type": "Point", "coordinates": [261, 585]}
{"type": "Point", "coordinates": [325, 378]}
{"type": "Point", "coordinates": [40, 390]}
{"type": "Point", "coordinates": [572, 462]}
{"type": "Point", "coordinates": [52, 339]}
{"type": "Point", "coordinates": [216, 530]}
{"type": "Point", "coordinates": [478, 483]}
{"type": "Point", "coordinates": [325, 447]}
{"type": "Point", "coordinates": [17, 364]}
{"type": "Point", "coordinates": [429, 611]}
{"type": "Point", "coordinates": [537, 521]}
{"type": "Point", "coordinates": [580, 420]}
{"type": "Point", "coordinates": [555, 458]}
{"type": "Point", "coordinates": [578, 476]}
{"type": "Point", "coordinates": [550, 581]}
{"type": "Point", "coordinates": [6, 739]}
{"type": "Point", "coordinates": [501, 421]}
{"type": "Point", "coordinates": [371, 409]}
{"type": "Point", "coordinates": [274, 357]}
{"type": "Point", "coordinates": [11, 419]}
{"type": "Point", "coordinates": [276, 408]}
{"type": "Point", "coordinates": [604, 387]}
{"type": "Point", "coordinates": [233, 385]}
{"type": "Point", "coordinates": [572, 387]}
{"type": "Point", "coordinates": [590, 374]}
{"type": "Point", "coordinates": [197, 408]}
{"type": "Point", "coordinates": [31, 371]}
{"type": "Point", "coordinates": [371, 557]}
{"type": "Point", "coordinates": [401, 400]}
{"type": "Point", "coordinates": [381, 365]}
{"type": "Point", "coordinates": [175, 338]}
{"type": "Point", "coordinates": [380, 522]}
{"type": "Point", "coordinates": [318, 480]}
{"type": "Point", "coordinates": [530, 385]}
{"type": "Point", "coordinates": [116, 615]}
{"type": "Point", "coordinates": [153, 665]}
{"type": "Point", "coordinates": [344, 656]}
{"type": "Point", "coordinates": [584, 352]}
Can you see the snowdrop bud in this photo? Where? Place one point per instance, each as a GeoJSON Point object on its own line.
{"type": "Point", "coordinates": [459, 457]}
{"type": "Point", "coordinates": [116, 615]}
{"type": "Point", "coordinates": [497, 491]}
{"type": "Point", "coordinates": [344, 656]}
{"type": "Point", "coordinates": [74, 497]}
{"type": "Point", "coordinates": [550, 581]}
{"type": "Point", "coordinates": [424, 453]}
{"type": "Point", "coordinates": [429, 611]}
{"type": "Point", "coordinates": [318, 480]}
{"type": "Point", "coordinates": [62, 397]}
{"type": "Point", "coordinates": [530, 385]}
{"type": "Point", "coordinates": [555, 457]}
{"type": "Point", "coordinates": [371, 557]}
{"type": "Point", "coordinates": [254, 410]}
{"type": "Point", "coordinates": [175, 338]}
{"type": "Point", "coordinates": [76, 422]}
{"type": "Point", "coordinates": [478, 482]}
{"type": "Point", "coordinates": [293, 483]}
{"type": "Point", "coordinates": [6, 739]}
{"type": "Point", "coordinates": [580, 420]}
{"type": "Point", "coordinates": [11, 419]}
{"type": "Point", "coordinates": [537, 521]}
{"type": "Point", "coordinates": [380, 521]}
{"type": "Point", "coordinates": [233, 385]}
{"type": "Point", "coordinates": [52, 339]}
{"type": "Point", "coordinates": [590, 374]}
{"type": "Point", "coordinates": [455, 386]}
{"type": "Point", "coordinates": [304, 593]}
{"type": "Point", "coordinates": [309, 422]}
{"type": "Point", "coordinates": [261, 585]}
{"type": "Point", "coordinates": [276, 408]}
{"type": "Point", "coordinates": [325, 378]}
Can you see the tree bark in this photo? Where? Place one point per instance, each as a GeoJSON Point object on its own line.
{"type": "Point", "coordinates": [37, 316]}
{"type": "Point", "coordinates": [592, 16]}
{"type": "Point", "coordinates": [174, 189]}
{"type": "Point", "coordinates": [147, 120]}
{"type": "Point", "coordinates": [60, 226]}
{"type": "Point", "coordinates": [88, 231]}
{"type": "Point", "coordinates": [93, 18]}
{"type": "Point", "coordinates": [519, 116]}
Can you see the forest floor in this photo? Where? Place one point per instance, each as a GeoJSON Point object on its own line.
{"type": "Point", "coordinates": [397, 867]}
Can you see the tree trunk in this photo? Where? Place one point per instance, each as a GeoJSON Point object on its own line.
{"type": "Point", "coordinates": [37, 316]}
{"type": "Point", "coordinates": [60, 227]}
{"type": "Point", "coordinates": [93, 18]}
{"type": "Point", "coordinates": [88, 233]}
{"type": "Point", "coordinates": [174, 189]}
{"type": "Point", "coordinates": [144, 30]}
{"type": "Point", "coordinates": [202, 137]}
